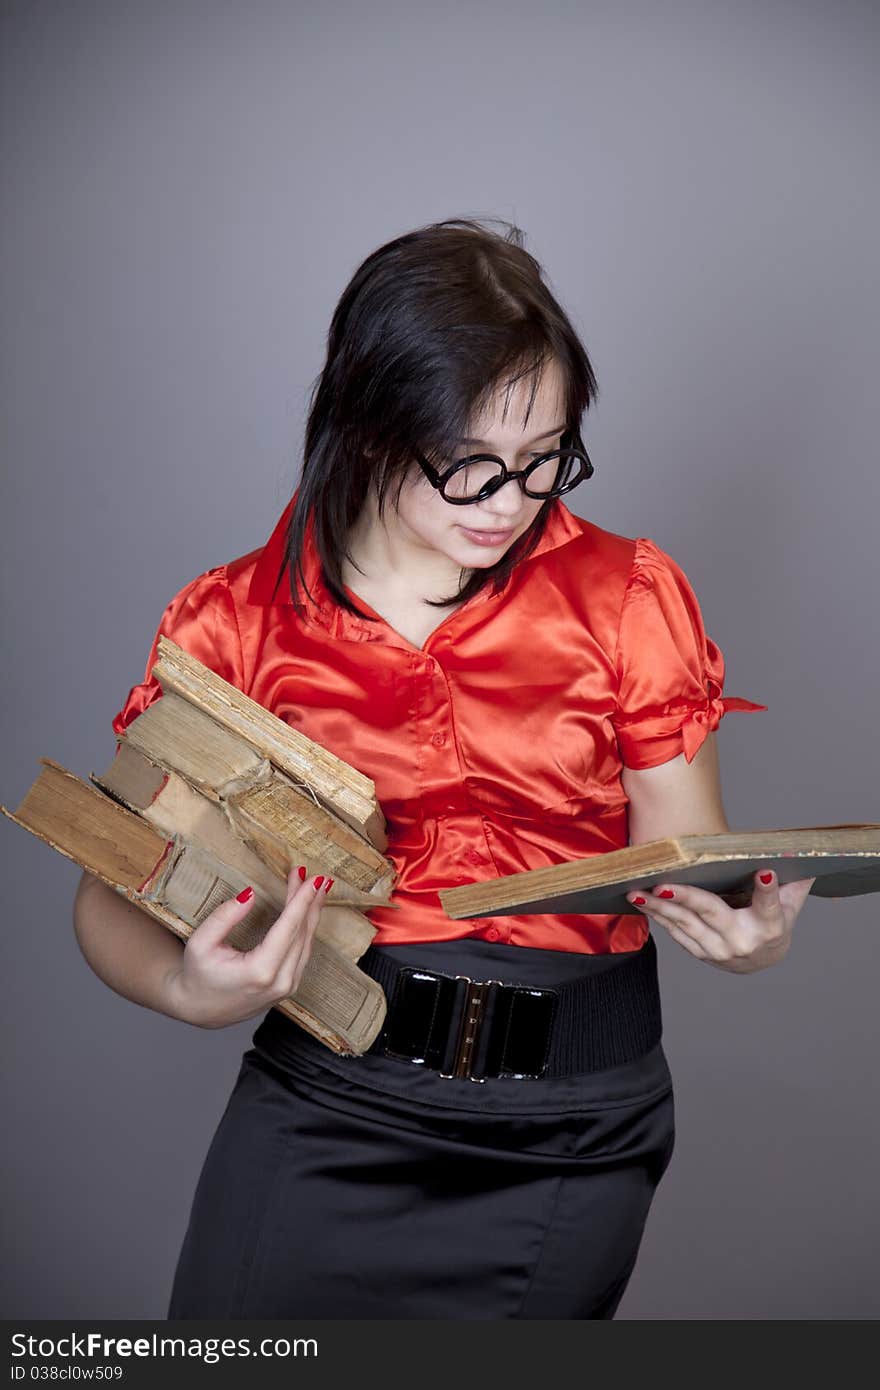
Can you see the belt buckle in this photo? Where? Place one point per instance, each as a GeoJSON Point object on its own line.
{"type": "Point", "coordinates": [469, 1029]}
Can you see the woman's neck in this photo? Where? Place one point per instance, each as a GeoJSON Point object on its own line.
{"type": "Point", "coordinates": [389, 562]}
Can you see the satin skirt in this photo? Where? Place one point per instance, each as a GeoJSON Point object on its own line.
{"type": "Point", "coordinates": [368, 1187]}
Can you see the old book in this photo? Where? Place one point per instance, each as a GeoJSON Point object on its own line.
{"type": "Point", "coordinates": [180, 883]}
{"type": "Point", "coordinates": [279, 818]}
{"type": "Point", "coordinates": [844, 859]}
{"type": "Point", "coordinates": [172, 805]}
{"type": "Point", "coordinates": [204, 742]}
{"type": "Point", "coordinates": [334, 784]}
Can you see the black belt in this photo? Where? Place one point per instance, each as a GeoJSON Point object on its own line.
{"type": "Point", "coordinates": [478, 1029]}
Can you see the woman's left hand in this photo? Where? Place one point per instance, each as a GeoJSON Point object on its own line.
{"type": "Point", "coordinates": [741, 939]}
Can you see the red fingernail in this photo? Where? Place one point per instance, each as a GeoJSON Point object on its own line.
{"type": "Point", "coordinates": [329, 884]}
{"type": "Point", "coordinates": [245, 895]}
{"type": "Point", "coordinates": [666, 893]}
{"type": "Point", "coordinates": [318, 881]}
{"type": "Point", "coordinates": [302, 872]}
{"type": "Point", "coordinates": [640, 902]}
{"type": "Point", "coordinates": [766, 878]}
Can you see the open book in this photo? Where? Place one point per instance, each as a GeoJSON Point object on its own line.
{"type": "Point", "coordinates": [844, 860]}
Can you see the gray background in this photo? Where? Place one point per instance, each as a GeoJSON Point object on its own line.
{"type": "Point", "coordinates": [188, 187]}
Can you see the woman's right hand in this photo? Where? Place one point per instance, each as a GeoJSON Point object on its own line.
{"type": "Point", "coordinates": [216, 984]}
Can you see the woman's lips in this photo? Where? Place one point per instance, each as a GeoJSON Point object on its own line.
{"type": "Point", "coordinates": [488, 537]}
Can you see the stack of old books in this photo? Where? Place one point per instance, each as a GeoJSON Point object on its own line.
{"type": "Point", "coordinates": [208, 791]}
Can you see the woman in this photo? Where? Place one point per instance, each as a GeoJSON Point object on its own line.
{"type": "Point", "coordinates": [523, 687]}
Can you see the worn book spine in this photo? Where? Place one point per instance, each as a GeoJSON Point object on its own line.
{"type": "Point", "coordinates": [334, 1000]}
{"type": "Point", "coordinates": [343, 789]}
{"type": "Point", "coordinates": [179, 884]}
{"type": "Point", "coordinates": [168, 802]}
{"type": "Point", "coordinates": [266, 808]}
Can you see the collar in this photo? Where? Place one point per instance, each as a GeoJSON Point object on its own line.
{"type": "Point", "coordinates": [562, 526]}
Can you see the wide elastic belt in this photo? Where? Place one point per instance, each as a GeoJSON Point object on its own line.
{"type": "Point", "coordinates": [462, 1027]}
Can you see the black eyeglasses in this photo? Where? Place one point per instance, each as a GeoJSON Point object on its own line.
{"type": "Point", "coordinates": [477, 476]}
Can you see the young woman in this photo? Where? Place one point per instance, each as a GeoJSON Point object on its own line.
{"type": "Point", "coordinates": [523, 687]}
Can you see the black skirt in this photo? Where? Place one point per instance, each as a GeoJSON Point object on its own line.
{"type": "Point", "coordinates": [371, 1187]}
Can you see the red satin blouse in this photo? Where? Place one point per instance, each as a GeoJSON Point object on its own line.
{"type": "Point", "coordinates": [497, 746]}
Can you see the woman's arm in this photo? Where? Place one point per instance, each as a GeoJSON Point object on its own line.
{"type": "Point", "coordinates": [676, 798]}
{"type": "Point", "coordinates": [126, 947]}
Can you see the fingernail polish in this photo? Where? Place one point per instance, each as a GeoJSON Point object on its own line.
{"type": "Point", "coordinates": [666, 893]}
{"type": "Point", "coordinates": [318, 881]}
{"type": "Point", "coordinates": [640, 902]}
{"type": "Point", "coordinates": [245, 895]}
{"type": "Point", "coordinates": [766, 878]}
{"type": "Point", "coordinates": [329, 884]}
{"type": "Point", "coordinates": [302, 872]}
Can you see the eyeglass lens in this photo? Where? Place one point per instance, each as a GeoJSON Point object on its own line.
{"type": "Point", "coordinates": [469, 480]}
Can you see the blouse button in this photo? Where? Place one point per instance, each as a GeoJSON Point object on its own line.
{"type": "Point", "coordinates": [474, 857]}
{"type": "Point", "coordinates": [493, 934]}
{"type": "Point", "coordinates": [438, 740]}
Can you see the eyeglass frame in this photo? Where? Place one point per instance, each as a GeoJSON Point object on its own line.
{"type": "Point", "coordinates": [439, 480]}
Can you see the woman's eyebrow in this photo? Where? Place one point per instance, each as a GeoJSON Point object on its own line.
{"type": "Point", "coordinates": [545, 435]}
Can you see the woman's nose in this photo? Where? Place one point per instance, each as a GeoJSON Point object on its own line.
{"type": "Point", "coordinates": [509, 494]}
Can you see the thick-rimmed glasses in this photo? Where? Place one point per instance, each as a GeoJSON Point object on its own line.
{"type": "Point", "coordinates": [477, 476]}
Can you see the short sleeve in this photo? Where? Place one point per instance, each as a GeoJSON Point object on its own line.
{"type": "Point", "coordinates": [201, 619]}
{"type": "Point", "coordinates": [670, 673]}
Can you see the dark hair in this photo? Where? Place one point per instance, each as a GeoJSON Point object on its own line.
{"type": "Point", "coordinates": [425, 330]}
